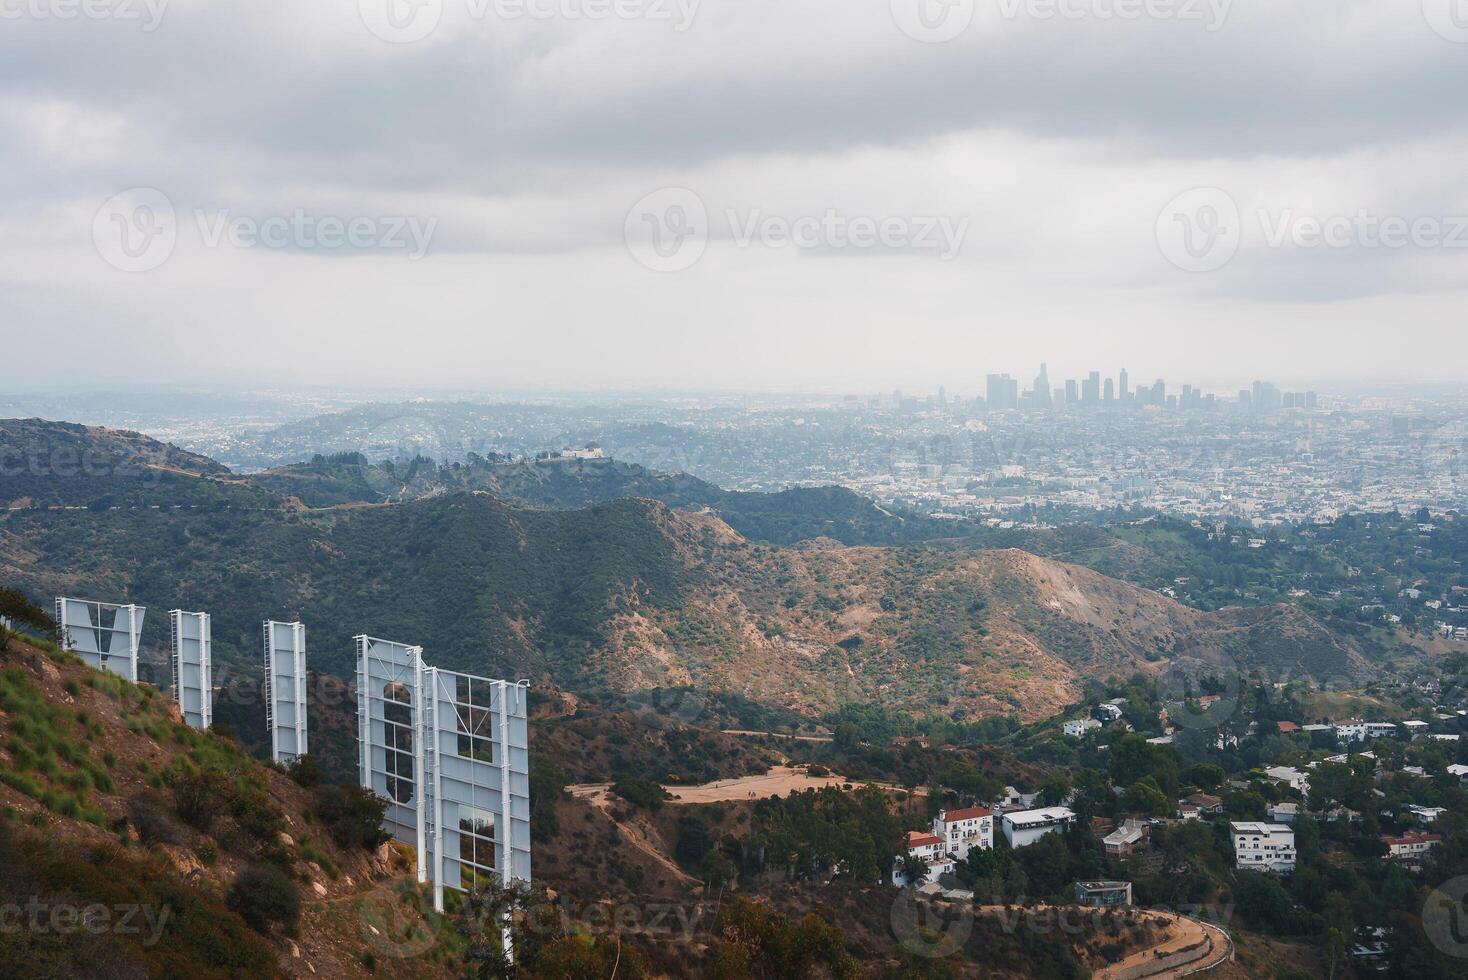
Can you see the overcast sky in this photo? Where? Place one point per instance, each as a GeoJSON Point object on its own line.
{"type": "Point", "coordinates": [823, 194]}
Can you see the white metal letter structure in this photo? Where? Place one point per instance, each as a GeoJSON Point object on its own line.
{"type": "Point", "coordinates": [478, 791]}
{"type": "Point", "coordinates": [285, 689]}
{"type": "Point", "coordinates": [193, 683]}
{"type": "Point", "coordinates": [389, 729]}
{"type": "Point", "coordinates": [104, 635]}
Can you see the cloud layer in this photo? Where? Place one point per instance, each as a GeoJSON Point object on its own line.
{"type": "Point", "coordinates": [296, 145]}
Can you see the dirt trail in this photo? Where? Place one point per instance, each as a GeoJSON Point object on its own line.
{"type": "Point", "coordinates": [634, 831]}
{"type": "Point", "coordinates": [777, 735]}
{"type": "Point", "coordinates": [1184, 932]}
{"type": "Point", "coordinates": [779, 781]}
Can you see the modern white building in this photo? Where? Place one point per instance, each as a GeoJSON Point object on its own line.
{"type": "Point", "coordinates": [1023, 827]}
{"type": "Point", "coordinates": [963, 830]}
{"type": "Point", "coordinates": [1356, 730]}
{"type": "Point", "coordinates": [1291, 777]}
{"type": "Point", "coordinates": [1263, 847]}
{"type": "Point", "coordinates": [1078, 727]}
{"type": "Point", "coordinates": [1103, 894]}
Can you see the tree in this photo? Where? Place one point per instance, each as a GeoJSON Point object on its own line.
{"type": "Point", "coordinates": [20, 611]}
{"type": "Point", "coordinates": [1145, 796]}
{"type": "Point", "coordinates": [1206, 776]}
{"type": "Point", "coordinates": [914, 869]}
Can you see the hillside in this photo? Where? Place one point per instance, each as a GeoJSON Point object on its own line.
{"type": "Point", "coordinates": [631, 594]}
{"type": "Point", "coordinates": [786, 517]}
{"type": "Point", "coordinates": [108, 800]}
{"type": "Point", "coordinates": [58, 464]}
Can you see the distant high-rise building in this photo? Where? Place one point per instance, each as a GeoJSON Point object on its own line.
{"type": "Point", "coordinates": [1122, 390]}
{"type": "Point", "coordinates": [1042, 388]}
{"type": "Point", "coordinates": [942, 397]}
{"type": "Point", "coordinates": [1267, 397]}
{"type": "Point", "coordinates": [1159, 392]}
{"type": "Point", "coordinates": [1091, 389]}
{"type": "Point", "coordinates": [1001, 392]}
{"type": "Point", "coordinates": [1311, 402]}
{"type": "Point", "coordinates": [1110, 394]}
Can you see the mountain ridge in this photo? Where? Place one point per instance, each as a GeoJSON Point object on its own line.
{"type": "Point", "coordinates": [632, 594]}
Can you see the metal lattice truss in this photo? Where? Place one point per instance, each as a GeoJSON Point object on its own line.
{"type": "Point", "coordinates": [105, 636]}
{"type": "Point", "coordinates": [285, 689]}
{"type": "Point", "coordinates": [193, 683]}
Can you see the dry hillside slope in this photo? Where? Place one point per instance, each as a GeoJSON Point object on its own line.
{"type": "Point", "coordinates": [982, 632]}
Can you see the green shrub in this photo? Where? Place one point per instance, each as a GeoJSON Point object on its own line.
{"type": "Point", "coordinates": [352, 815]}
{"type": "Point", "coordinates": [153, 824]}
{"type": "Point", "coordinates": [199, 796]}
{"type": "Point", "coordinates": [263, 897]}
{"type": "Point", "coordinates": [640, 792]}
{"type": "Point", "coordinates": [305, 770]}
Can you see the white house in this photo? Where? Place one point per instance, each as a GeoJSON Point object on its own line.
{"type": "Point", "coordinates": [1460, 771]}
{"type": "Point", "coordinates": [1124, 839]}
{"type": "Point", "coordinates": [1294, 778]}
{"type": "Point", "coordinates": [1381, 729]}
{"type": "Point", "coordinates": [1023, 827]}
{"type": "Point", "coordinates": [1077, 727]}
{"type": "Point", "coordinates": [1415, 728]}
{"type": "Point", "coordinates": [1263, 846]}
{"type": "Point", "coordinates": [1411, 846]}
{"type": "Point", "coordinates": [1284, 812]}
{"type": "Point", "coordinates": [931, 849]}
{"type": "Point", "coordinates": [1426, 814]}
{"type": "Point", "coordinates": [1351, 731]}
{"type": "Point", "coordinates": [962, 830]}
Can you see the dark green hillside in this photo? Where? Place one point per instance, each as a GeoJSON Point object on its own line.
{"type": "Point", "coordinates": [787, 517]}
{"type": "Point", "coordinates": [477, 584]}
{"type": "Point", "coordinates": [57, 464]}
